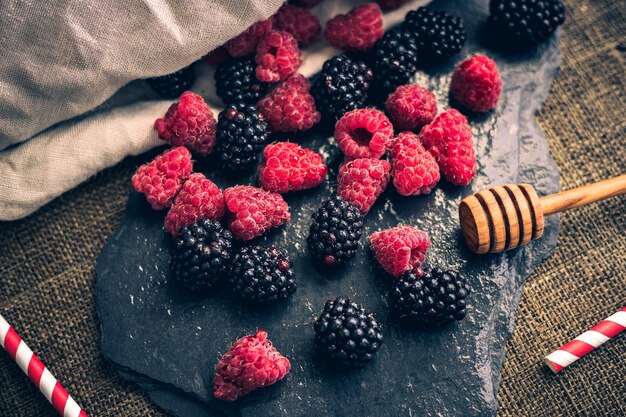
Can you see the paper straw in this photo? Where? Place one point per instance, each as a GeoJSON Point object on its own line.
{"type": "Point", "coordinates": [37, 372]}
{"type": "Point", "coordinates": [586, 342]}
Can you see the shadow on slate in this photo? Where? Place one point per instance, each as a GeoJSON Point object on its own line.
{"type": "Point", "coordinates": [169, 342]}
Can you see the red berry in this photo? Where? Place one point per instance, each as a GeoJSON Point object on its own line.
{"type": "Point", "coordinates": [400, 249]}
{"type": "Point", "coordinates": [189, 123]}
{"type": "Point", "coordinates": [449, 139]}
{"type": "Point", "coordinates": [290, 107]}
{"type": "Point", "coordinates": [216, 56]}
{"type": "Point", "coordinates": [390, 4]}
{"type": "Point", "coordinates": [161, 179]}
{"type": "Point", "coordinates": [358, 30]}
{"type": "Point", "coordinates": [277, 56]}
{"type": "Point", "coordinates": [245, 43]}
{"type": "Point", "coordinates": [252, 211]}
{"type": "Point", "coordinates": [410, 107]}
{"type": "Point", "coordinates": [476, 84]}
{"type": "Point", "coordinates": [288, 167]}
{"type": "Point", "coordinates": [364, 133]}
{"type": "Point", "coordinates": [198, 199]}
{"type": "Point", "coordinates": [413, 168]}
{"type": "Point", "coordinates": [301, 23]}
{"type": "Point", "coordinates": [252, 362]}
{"type": "Point", "coordinates": [361, 181]}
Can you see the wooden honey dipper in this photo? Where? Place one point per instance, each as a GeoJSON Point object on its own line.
{"type": "Point", "coordinates": [509, 216]}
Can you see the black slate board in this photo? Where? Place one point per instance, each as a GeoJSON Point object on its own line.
{"type": "Point", "coordinates": [169, 342]}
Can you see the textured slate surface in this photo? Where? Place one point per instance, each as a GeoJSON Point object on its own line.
{"type": "Point", "coordinates": [169, 342]}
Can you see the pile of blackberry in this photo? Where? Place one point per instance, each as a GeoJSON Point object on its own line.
{"type": "Point", "coordinates": [527, 22]}
{"type": "Point", "coordinates": [394, 61]}
{"type": "Point", "coordinates": [347, 334]}
{"type": "Point", "coordinates": [437, 34]}
{"type": "Point", "coordinates": [174, 84]}
{"type": "Point", "coordinates": [430, 297]}
{"type": "Point", "coordinates": [335, 232]}
{"type": "Point", "coordinates": [202, 255]}
{"type": "Point", "coordinates": [262, 275]}
{"type": "Point", "coordinates": [241, 135]}
{"type": "Point", "coordinates": [236, 82]}
{"type": "Point", "coordinates": [341, 86]}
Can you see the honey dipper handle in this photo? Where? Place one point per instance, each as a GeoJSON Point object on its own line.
{"type": "Point", "coordinates": [586, 194]}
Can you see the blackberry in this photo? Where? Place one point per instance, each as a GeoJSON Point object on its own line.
{"type": "Point", "coordinates": [341, 86]}
{"type": "Point", "coordinates": [262, 275]}
{"type": "Point", "coordinates": [394, 60]}
{"type": "Point", "coordinates": [437, 34]}
{"type": "Point", "coordinates": [174, 84]}
{"type": "Point", "coordinates": [431, 296]}
{"type": "Point", "coordinates": [235, 81]}
{"type": "Point", "coordinates": [241, 134]}
{"type": "Point", "coordinates": [201, 255]}
{"type": "Point", "coordinates": [335, 232]}
{"type": "Point", "coordinates": [346, 333]}
{"type": "Point", "coordinates": [526, 21]}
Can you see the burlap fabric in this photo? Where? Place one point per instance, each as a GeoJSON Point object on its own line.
{"type": "Point", "coordinates": [47, 260]}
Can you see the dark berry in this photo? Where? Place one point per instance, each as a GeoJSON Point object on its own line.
{"type": "Point", "coordinates": [235, 82]}
{"type": "Point", "coordinates": [394, 60]}
{"type": "Point", "coordinates": [174, 84]}
{"type": "Point", "coordinates": [526, 21]}
{"type": "Point", "coordinates": [241, 134]}
{"type": "Point", "coordinates": [202, 255]}
{"type": "Point", "coordinates": [335, 232]}
{"type": "Point", "coordinates": [437, 34]}
{"type": "Point", "coordinates": [347, 334]}
{"type": "Point", "coordinates": [262, 275]}
{"type": "Point", "coordinates": [341, 86]}
{"type": "Point", "coordinates": [431, 296]}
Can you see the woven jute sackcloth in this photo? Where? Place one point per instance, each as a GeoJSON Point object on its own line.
{"type": "Point", "coordinates": [47, 260]}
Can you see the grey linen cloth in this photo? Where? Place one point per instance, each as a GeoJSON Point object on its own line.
{"type": "Point", "coordinates": [68, 108]}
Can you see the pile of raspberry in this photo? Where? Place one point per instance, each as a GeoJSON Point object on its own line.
{"type": "Point", "coordinates": [407, 141]}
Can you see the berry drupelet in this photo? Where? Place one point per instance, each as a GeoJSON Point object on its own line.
{"type": "Point", "coordinates": [335, 232]}
{"type": "Point", "coordinates": [526, 21]}
{"type": "Point", "coordinates": [347, 334]}
{"type": "Point", "coordinates": [174, 84]}
{"type": "Point", "coordinates": [437, 34]}
{"type": "Point", "coordinates": [394, 60]}
{"type": "Point", "coordinates": [202, 255]}
{"type": "Point", "coordinates": [341, 86]}
{"type": "Point", "coordinates": [262, 275]}
{"type": "Point", "coordinates": [235, 82]}
{"type": "Point", "coordinates": [430, 296]}
{"type": "Point", "coordinates": [241, 134]}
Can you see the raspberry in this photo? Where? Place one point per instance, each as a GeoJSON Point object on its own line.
{"type": "Point", "coordinates": [174, 84]}
{"type": "Point", "coordinates": [290, 107]}
{"type": "Point", "coordinates": [361, 181]}
{"type": "Point", "coordinates": [394, 60]}
{"type": "Point", "coordinates": [277, 56]}
{"type": "Point", "coordinates": [413, 168]}
{"type": "Point", "coordinates": [288, 167]}
{"type": "Point", "coordinates": [364, 133]}
{"type": "Point", "coordinates": [449, 139]}
{"type": "Point", "coordinates": [526, 21]}
{"type": "Point", "coordinates": [216, 56]}
{"type": "Point", "coordinates": [400, 249]}
{"type": "Point", "coordinates": [235, 82]}
{"type": "Point", "coordinates": [245, 44]}
{"type": "Point", "coordinates": [161, 179]}
{"type": "Point", "coordinates": [189, 123]}
{"type": "Point", "coordinates": [250, 363]}
{"type": "Point", "coordinates": [301, 23]}
{"type": "Point", "coordinates": [358, 30]}
{"type": "Point", "coordinates": [476, 84]}
{"type": "Point", "coordinates": [198, 199]}
{"type": "Point", "coordinates": [252, 211]}
{"type": "Point", "coordinates": [410, 107]}
{"type": "Point", "coordinates": [390, 4]}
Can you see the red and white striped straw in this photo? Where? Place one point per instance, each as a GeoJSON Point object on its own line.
{"type": "Point", "coordinates": [37, 372]}
{"type": "Point", "coordinates": [586, 342]}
